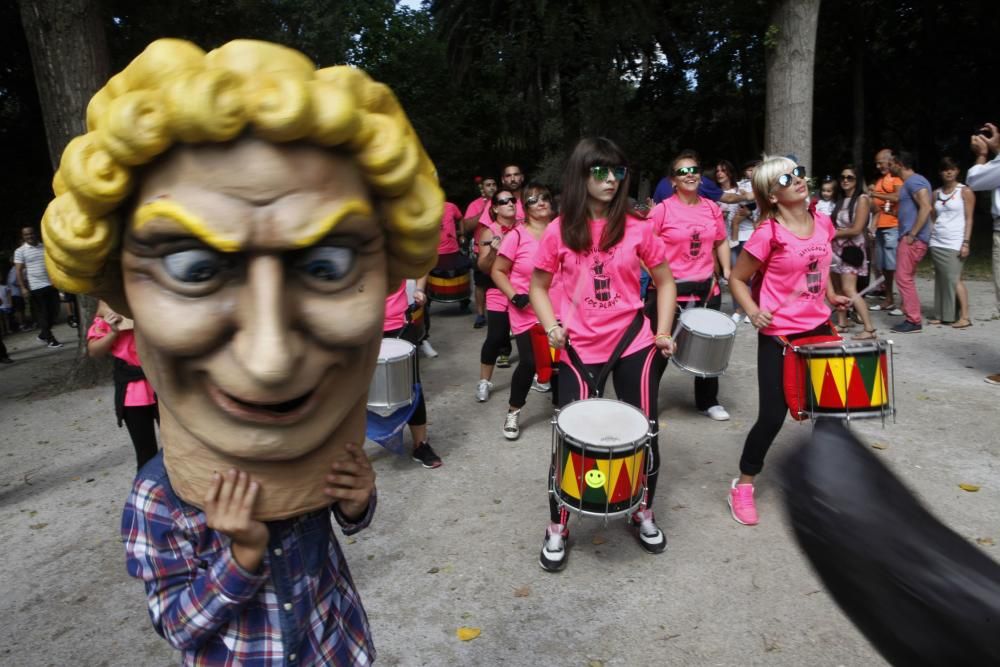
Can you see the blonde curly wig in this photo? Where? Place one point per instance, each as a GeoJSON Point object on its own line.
{"type": "Point", "coordinates": [174, 92]}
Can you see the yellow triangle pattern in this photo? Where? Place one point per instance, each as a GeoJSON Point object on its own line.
{"type": "Point", "coordinates": [616, 470]}
{"type": "Point", "coordinates": [569, 483]}
{"type": "Point", "coordinates": [879, 390]}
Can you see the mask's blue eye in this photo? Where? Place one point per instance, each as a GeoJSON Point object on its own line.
{"type": "Point", "coordinates": [194, 266]}
{"type": "Point", "coordinates": [327, 262]}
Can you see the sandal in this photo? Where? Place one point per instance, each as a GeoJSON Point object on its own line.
{"type": "Point", "coordinates": [843, 328]}
{"type": "Point", "coordinates": [867, 334]}
{"type": "Point", "coordinates": [935, 322]}
{"type": "Point", "coordinates": [961, 324]}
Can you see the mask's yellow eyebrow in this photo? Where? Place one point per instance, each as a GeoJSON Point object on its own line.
{"type": "Point", "coordinates": [311, 232]}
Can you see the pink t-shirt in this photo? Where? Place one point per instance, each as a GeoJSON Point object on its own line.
{"type": "Point", "coordinates": [601, 287]}
{"type": "Point", "coordinates": [495, 300]}
{"type": "Point", "coordinates": [476, 207]}
{"type": "Point", "coordinates": [520, 247]}
{"type": "Point", "coordinates": [449, 240]}
{"type": "Point", "coordinates": [690, 234]}
{"type": "Point", "coordinates": [795, 274]}
{"type": "Point", "coordinates": [395, 309]}
{"type": "Point", "coordinates": [484, 217]}
{"type": "Point", "coordinates": [137, 393]}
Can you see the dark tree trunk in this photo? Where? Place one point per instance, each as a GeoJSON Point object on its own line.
{"type": "Point", "coordinates": [858, 95]}
{"type": "Point", "coordinates": [791, 59]}
{"type": "Point", "coordinates": [69, 54]}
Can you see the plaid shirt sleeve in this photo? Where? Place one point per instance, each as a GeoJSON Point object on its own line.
{"type": "Point", "coordinates": [350, 527]}
{"type": "Point", "coordinates": [193, 584]}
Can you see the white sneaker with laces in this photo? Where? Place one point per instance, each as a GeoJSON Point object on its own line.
{"type": "Point", "coordinates": [428, 349]}
{"type": "Point", "coordinates": [541, 387]}
{"type": "Point", "coordinates": [483, 390]}
{"type": "Point", "coordinates": [554, 548]}
{"type": "Point", "coordinates": [510, 428]}
{"type": "Point", "coordinates": [717, 412]}
{"type": "Point", "coordinates": [651, 538]}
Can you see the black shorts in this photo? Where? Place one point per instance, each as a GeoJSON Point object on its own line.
{"type": "Point", "coordinates": [480, 279]}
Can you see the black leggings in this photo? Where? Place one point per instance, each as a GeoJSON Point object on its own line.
{"type": "Point", "coordinates": [771, 405]}
{"type": "Point", "coordinates": [140, 422]}
{"type": "Point", "coordinates": [520, 381]}
{"type": "Point", "coordinates": [706, 390]}
{"type": "Point", "coordinates": [627, 378]}
{"type": "Point", "coordinates": [497, 337]}
{"type": "Point", "coordinates": [419, 417]}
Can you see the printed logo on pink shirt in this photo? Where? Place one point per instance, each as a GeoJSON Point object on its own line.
{"type": "Point", "coordinates": [603, 296]}
{"type": "Point", "coordinates": [813, 277]}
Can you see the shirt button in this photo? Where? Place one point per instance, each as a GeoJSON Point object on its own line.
{"type": "Point", "coordinates": [278, 551]}
{"type": "Point", "coordinates": [288, 606]}
{"type": "Point", "coordinates": [292, 657]}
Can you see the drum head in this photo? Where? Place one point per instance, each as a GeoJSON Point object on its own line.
{"type": "Point", "coordinates": [394, 348]}
{"type": "Point", "coordinates": [602, 422]}
{"type": "Point", "coordinates": [708, 322]}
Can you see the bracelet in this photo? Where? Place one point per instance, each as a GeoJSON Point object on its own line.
{"type": "Point", "coordinates": [667, 336]}
{"type": "Point", "coordinates": [548, 332]}
{"type": "Point", "coordinates": [965, 243]}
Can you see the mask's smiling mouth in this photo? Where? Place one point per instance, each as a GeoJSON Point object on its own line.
{"type": "Point", "coordinates": [278, 412]}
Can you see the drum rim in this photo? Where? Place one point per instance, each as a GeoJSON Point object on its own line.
{"type": "Point", "coordinates": [696, 373]}
{"type": "Point", "coordinates": [631, 446]}
{"type": "Point", "coordinates": [722, 316]}
{"type": "Point", "coordinates": [830, 348]}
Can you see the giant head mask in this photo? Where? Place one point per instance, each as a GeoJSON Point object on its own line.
{"type": "Point", "coordinates": [248, 212]}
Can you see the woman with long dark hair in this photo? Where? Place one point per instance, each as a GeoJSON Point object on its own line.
{"type": "Point", "coordinates": [503, 218]}
{"type": "Point", "coordinates": [949, 246]}
{"type": "Point", "coordinates": [791, 251]}
{"type": "Point", "coordinates": [597, 247]}
{"type": "Point", "coordinates": [850, 254]}
{"type": "Point", "coordinates": [512, 275]}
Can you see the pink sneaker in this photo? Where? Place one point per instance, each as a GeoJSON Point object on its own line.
{"type": "Point", "coordinates": [741, 503]}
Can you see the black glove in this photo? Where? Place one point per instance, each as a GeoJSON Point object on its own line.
{"type": "Point", "coordinates": [520, 300]}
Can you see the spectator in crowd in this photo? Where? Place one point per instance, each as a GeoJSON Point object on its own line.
{"type": "Point", "coordinates": [17, 299]}
{"type": "Point", "coordinates": [850, 261]}
{"type": "Point", "coordinates": [985, 175]}
{"type": "Point", "coordinates": [33, 279]}
{"type": "Point", "coordinates": [885, 205]}
{"type": "Point", "coordinates": [949, 246]}
{"type": "Point", "coordinates": [827, 196]}
{"type": "Point", "coordinates": [914, 234]}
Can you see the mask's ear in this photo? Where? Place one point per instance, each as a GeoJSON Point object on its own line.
{"type": "Point", "coordinates": [111, 289]}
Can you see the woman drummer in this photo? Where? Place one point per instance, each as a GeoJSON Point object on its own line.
{"type": "Point", "coordinates": [512, 276]}
{"type": "Point", "coordinates": [791, 249]}
{"type": "Point", "coordinates": [596, 247]}
{"type": "Point", "coordinates": [694, 231]}
{"type": "Point", "coordinates": [397, 325]}
{"type": "Point", "coordinates": [503, 218]}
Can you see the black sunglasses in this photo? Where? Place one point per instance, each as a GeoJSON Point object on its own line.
{"type": "Point", "coordinates": [687, 171]}
{"type": "Point", "coordinates": [786, 179]}
{"type": "Point", "coordinates": [534, 199]}
{"type": "Point", "coordinates": [505, 201]}
{"type": "Point", "coordinates": [848, 177]}
{"type": "Point", "coordinates": [600, 172]}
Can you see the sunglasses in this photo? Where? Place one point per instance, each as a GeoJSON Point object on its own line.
{"type": "Point", "coordinates": [534, 199]}
{"type": "Point", "coordinates": [600, 172]}
{"type": "Point", "coordinates": [505, 201]}
{"type": "Point", "coordinates": [786, 179]}
{"type": "Point", "coordinates": [848, 177]}
{"type": "Point", "coordinates": [687, 171]}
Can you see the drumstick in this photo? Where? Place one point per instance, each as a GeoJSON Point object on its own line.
{"type": "Point", "coordinates": [860, 295]}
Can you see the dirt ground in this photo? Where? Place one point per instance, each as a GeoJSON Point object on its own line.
{"type": "Point", "coordinates": [458, 546]}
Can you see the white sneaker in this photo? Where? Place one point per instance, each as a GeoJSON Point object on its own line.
{"type": "Point", "coordinates": [554, 548]}
{"type": "Point", "coordinates": [428, 349]}
{"type": "Point", "coordinates": [716, 412]}
{"type": "Point", "coordinates": [736, 317]}
{"type": "Point", "coordinates": [483, 390]}
{"type": "Point", "coordinates": [541, 387]}
{"type": "Point", "coordinates": [510, 428]}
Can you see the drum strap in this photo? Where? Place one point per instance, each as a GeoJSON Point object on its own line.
{"type": "Point", "coordinates": [593, 383]}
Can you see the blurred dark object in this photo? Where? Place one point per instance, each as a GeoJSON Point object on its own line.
{"type": "Point", "coordinates": [852, 256]}
{"type": "Point", "coordinates": [919, 592]}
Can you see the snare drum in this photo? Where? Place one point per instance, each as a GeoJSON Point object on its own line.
{"type": "Point", "coordinates": [704, 342]}
{"type": "Point", "coordinates": [600, 450]}
{"type": "Point", "coordinates": [449, 285]}
{"type": "Point", "coordinates": [395, 374]}
{"type": "Point", "coordinates": [841, 379]}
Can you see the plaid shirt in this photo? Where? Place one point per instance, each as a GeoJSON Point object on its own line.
{"type": "Point", "coordinates": [299, 608]}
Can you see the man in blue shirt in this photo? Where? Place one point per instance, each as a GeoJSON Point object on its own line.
{"type": "Point", "coordinates": [914, 234]}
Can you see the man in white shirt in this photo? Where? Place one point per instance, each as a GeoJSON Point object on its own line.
{"type": "Point", "coordinates": [33, 279]}
{"type": "Point", "coordinates": [985, 175]}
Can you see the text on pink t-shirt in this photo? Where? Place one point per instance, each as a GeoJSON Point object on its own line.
{"type": "Point", "coordinates": [795, 271]}
{"type": "Point", "coordinates": [690, 234]}
{"type": "Point", "coordinates": [601, 287]}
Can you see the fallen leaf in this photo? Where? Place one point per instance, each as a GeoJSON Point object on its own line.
{"type": "Point", "coordinates": [351, 540]}
{"type": "Point", "coordinates": [433, 570]}
{"type": "Point", "coordinates": [89, 479]}
{"type": "Point", "coordinates": [522, 592]}
{"type": "Point", "coordinates": [971, 488]}
{"type": "Point", "coordinates": [467, 634]}
{"type": "Point", "coordinates": [985, 541]}
{"type": "Point", "coordinates": [879, 445]}
{"type": "Point", "coordinates": [74, 478]}
{"type": "Point", "coordinates": [466, 614]}
{"type": "Point", "coordinates": [37, 526]}
{"type": "Point", "coordinates": [595, 663]}
{"type": "Point", "coordinates": [598, 539]}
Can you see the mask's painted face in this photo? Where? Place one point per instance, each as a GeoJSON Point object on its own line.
{"type": "Point", "coordinates": [256, 275]}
